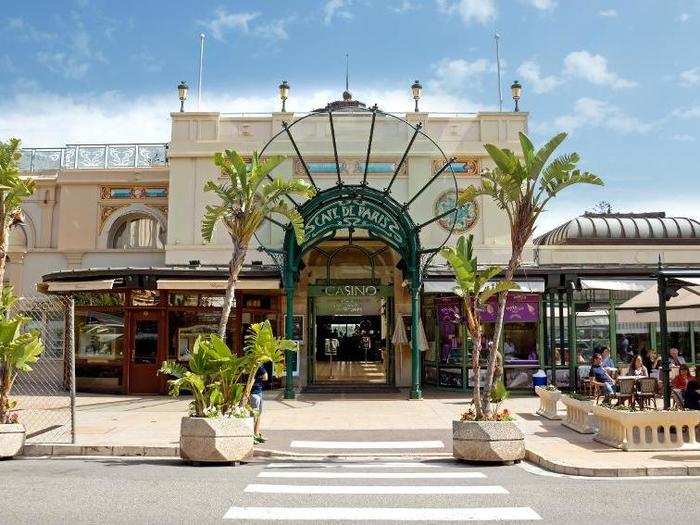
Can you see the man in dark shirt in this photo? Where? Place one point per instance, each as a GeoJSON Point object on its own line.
{"type": "Point", "coordinates": [256, 401]}
{"type": "Point", "coordinates": [600, 374]}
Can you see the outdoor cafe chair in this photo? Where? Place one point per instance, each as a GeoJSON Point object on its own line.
{"type": "Point", "coordinates": [626, 391]}
{"type": "Point", "coordinates": [677, 398]}
{"type": "Point", "coordinates": [647, 391]}
{"type": "Point", "coordinates": [591, 388]}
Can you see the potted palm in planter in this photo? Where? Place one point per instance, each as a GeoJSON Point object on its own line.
{"type": "Point", "coordinates": [18, 351]}
{"type": "Point", "coordinates": [219, 427]}
{"type": "Point", "coordinates": [481, 435]}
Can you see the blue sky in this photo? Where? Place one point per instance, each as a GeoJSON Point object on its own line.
{"type": "Point", "coordinates": [622, 77]}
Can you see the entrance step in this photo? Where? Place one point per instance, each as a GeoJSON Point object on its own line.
{"type": "Point", "coordinates": [349, 389]}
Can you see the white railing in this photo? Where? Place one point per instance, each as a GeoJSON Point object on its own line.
{"type": "Point", "coordinates": [94, 156]}
{"type": "Point", "coordinates": [548, 402]}
{"type": "Point", "coordinates": [579, 415]}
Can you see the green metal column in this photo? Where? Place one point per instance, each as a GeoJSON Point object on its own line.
{"type": "Point", "coordinates": [612, 327]}
{"type": "Point", "coordinates": [691, 327]}
{"type": "Point", "coordinates": [288, 334]}
{"type": "Point", "coordinates": [573, 351]}
{"type": "Point", "coordinates": [416, 392]}
{"type": "Point", "coordinates": [542, 331]}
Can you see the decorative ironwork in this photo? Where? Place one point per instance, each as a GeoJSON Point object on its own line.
{"type": "Point", "coordinates": [460, 166]}
{"type": "Point", "coordinates": [94, 156]}
{"type": "Point", "coordinates": [466, 216]}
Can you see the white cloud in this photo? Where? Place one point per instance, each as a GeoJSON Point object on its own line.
{"type": "Point", "coordinates": [274, 30]}
{"type": "Point", "coordinates": [405, 6]}
{"type": "Point", "coordinates": [63, 64]}
{"type": "Point", "coordinates": [479, 11]}
{"type": "Point", "coordinates": [590, 112]}
{"type": "Point", "coordinates": [336, 9]}
{"type": "Point", "coordinates": [682, 137]}
{"type": "Point", "coordinates": [542, 5]}
{"type": "Point", "coordinates": [686, 113]}
{"type": "Point", "coordinates": [594, 68]}
{"type": "Point", "coordinates": [530, 72]}
{"type": "Point", "coordinates": [684, 17]}
{"type": "Point", "coordinates": [46, 119]}
{"type": "Point", "coordinates": [608, 13]}
{"type": "Point", "coordinates": [452, 74]}
{"type": "Point", "coordinates": [225, 21]}
{"type": "Point", "coordinates": [690, 77]}
{"type": "Point", "coordinates": [26, 31]}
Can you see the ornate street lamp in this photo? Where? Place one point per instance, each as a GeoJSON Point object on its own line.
{"type": "Point", "coordinates": [284, 94]}
{"type": "Point", "coordinates": [516, 90]}
{"type": "Point", "coordinates": [182, 89]}
{"type": "Point", "coordinates": [417, 89]}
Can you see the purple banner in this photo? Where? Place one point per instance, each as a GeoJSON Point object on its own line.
{"type": "Point", "coordinates": [520, 308]}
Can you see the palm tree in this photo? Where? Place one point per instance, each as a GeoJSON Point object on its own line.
{"type": "Point", "coordinates": [474, 289]}
{"type": "Point", "coordinates": [247, 197]}
{"type": "Point", "coordinates": [13, 191]}
{"type": "Point", "coordinates": [523, 187]}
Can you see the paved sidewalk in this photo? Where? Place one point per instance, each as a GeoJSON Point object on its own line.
{"type": "Point", "coordinates": [129, 425]}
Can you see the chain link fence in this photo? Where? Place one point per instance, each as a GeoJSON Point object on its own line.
{"type": "Point", "coordinates": [46, 395]}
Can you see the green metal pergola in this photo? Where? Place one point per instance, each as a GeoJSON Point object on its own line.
{"type": "Point", "coordinates": [365, 201]}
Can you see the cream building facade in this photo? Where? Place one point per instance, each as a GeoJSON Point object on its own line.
{"type": "Point", "coordinates": [119, 227]}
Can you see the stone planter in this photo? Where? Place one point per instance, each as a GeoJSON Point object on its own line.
{"type": "Point", "coordinates": [490, 441]}
{"type": "Point", "coordinates": [647, 430]}
{"type": "Point", "coordinates": [579, 415]}
{"type": "Point", "coordinates": [548, 402]}
{"type": "Point", "coordinates": [217, 440]}
{"type": "Point", "coordinates": [11, 440]}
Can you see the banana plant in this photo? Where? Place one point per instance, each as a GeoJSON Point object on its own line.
{"type": "Point", "coordinates": [18, 351]}
{"type": "Point", "coordinates": [261, 347]}
{"type": "Point", "coordinates": [522, 186]}
{"type": "Point", "coordinates": [475, 288]}
{"type": "Point", "coordinates": [247, 196]}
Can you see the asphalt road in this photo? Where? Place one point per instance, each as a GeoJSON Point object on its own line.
{"type": "Point", "coordinates": [159, 491]}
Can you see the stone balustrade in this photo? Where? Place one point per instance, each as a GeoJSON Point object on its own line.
{"type": "Point", "coordinates": [548, 402]}
{"type": "Point", "coordinates": [648, 430]}
{"type": "Point", "coordinates": [579, 415]}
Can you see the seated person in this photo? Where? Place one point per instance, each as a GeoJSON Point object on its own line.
{"type": "Point", "coordinates": [600, 374]}
{"type": "Point", "coordinates": [637, 368]}
{"type": "Point", "coordinates": [532, 356]}
{"type": "Point", "coordinates": [691, 397]}
{"type": "Point", "coordinates": [608, 363]}
{"type": "Point", "coordinates": [674, 358]}
{"type": "Point", "coordinates": [681, 380]}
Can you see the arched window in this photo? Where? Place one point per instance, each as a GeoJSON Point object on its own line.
{"type": "Point", "coordinates": [137, 231]}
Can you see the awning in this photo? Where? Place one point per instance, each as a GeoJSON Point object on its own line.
{"type": "Point", "coordinates": [203, 284]}
{"type": "Point", "coordinates": [78, 286]}
{"type": "Point", "coordinates": [627, 285]}
{"type": "Point", "coordinates": [448, 286]}
{"type": "Point", "coordinates": [644, 306]}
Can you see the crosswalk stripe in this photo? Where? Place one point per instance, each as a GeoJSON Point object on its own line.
{"type": "Point", "coordinates": [381, 513]}
{"type": "Point", "coordinates": [300, 474]}
{"type": "Point", "coordinates": [263, 488]}
{"type": "Point", "coordinates": [382, 464]}
{"type": "Point", "coordinates": [367, 444]}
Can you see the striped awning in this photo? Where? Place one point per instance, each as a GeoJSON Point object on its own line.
{"type": "Point", "coordinates": [80, 286]}
{"type": "Point", "coordinates": [219, 284]}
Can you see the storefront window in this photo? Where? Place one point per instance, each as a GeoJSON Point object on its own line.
{"type": "Point", "coordinates": [183, 299]}
{"type": "Point", "coordinates": [632, 339]}
{"type": "Point", "coordinates": [145, 298]}
{"type": "Point", "coordinates": [592, 334]}
{"type": "Point", "coordinates": [429, 324]}
{"type": "Point", "coordinates": [99, 299]}
{"type": "Point", "coordinates": [99, 349]}
{"type": "Point", "coordinates": [184, 328]}
{"type": "Point", "coordinates": [451, 331]}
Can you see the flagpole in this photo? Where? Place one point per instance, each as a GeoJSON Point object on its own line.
{"type": "Point", "coordinates": [201, 66]}
{"type": "Point", "coordinates": [497, 38]}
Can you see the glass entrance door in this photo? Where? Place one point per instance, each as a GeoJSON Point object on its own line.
{"type": "Point", "coordinates": [147, 352]}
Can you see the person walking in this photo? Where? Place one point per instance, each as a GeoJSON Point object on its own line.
{"type": "Point", "coordinates": [256, 403]}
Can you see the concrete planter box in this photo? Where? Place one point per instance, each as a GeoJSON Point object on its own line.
{"type": "Point", "coordinates": [648, 430]}
{"type": "Point", "coordinates": [579, 415]}
{"type": "Point", "coordinates": [490, 441]}
{"type": "Point", "coordinates": [11, 440]}
{"type": "Point", "coordinates": [548, 402]}
{"type": "Point", "coordinates": [216, 440]}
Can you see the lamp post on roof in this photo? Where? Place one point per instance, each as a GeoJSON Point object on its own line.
{"type": "Point", "coordinates": [284, 94]}
{"type": "Point", "coordinates": [182, 89]}
{"type": "Point", "coordinates": [516, 89]}
{"type": "Point", "coordinates": [417, 90]}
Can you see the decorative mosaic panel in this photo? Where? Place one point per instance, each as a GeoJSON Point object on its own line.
{"type": "Point", "coordinates": [467, 215]}
{"type": "Point", "coordinates": [462, 166]}
{"type": "Point", "coordinates": [133, 192]}
{"type": "Point", "coordinates": [347, 166]}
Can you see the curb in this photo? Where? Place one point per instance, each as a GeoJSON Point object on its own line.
{"type": "Point", "coordinates": [37, 450]}
{"type": "Point", "coordinates": [570, 470]}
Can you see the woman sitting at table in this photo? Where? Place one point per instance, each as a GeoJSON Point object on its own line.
{"type": "Point", "coordinates": [681, 380]}
{"type": "Point", "coordinates": [637, 368]}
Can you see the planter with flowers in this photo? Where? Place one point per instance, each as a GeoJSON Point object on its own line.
{"type": "Point", "coordinates": [18, 351]}
{"type": "Point", "coordinates": [484, 433]}
{"type": "Point", "coordinates": [220, 425]}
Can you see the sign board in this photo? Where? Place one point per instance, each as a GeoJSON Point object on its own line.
{"type": "Point", "coordinates": [351, 290]}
